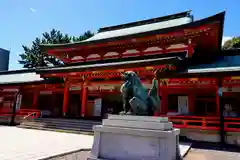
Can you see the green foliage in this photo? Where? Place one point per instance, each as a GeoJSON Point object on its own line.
{"type": "Point", "coordinates": [33, 57]}
{"type": "Point", "coordinates": [85, 36]}
{"type": "Point", "coordinates": [232, 43]}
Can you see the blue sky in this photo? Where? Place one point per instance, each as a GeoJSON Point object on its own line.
{"type": "Point", "coordinates": [22, 21]}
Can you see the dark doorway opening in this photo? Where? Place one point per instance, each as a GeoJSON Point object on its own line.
{"type": "Point", "coordinates": [58, 105]}
{"type": "Point", "coordinates": [45, 104]}
{"type": "Point", "coordinates": [74, 106]}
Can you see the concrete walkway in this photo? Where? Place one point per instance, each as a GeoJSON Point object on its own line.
{"type": "Point", "coordinates": [202, 154]}
{"type": "Point", "coordinates": [27, 144]}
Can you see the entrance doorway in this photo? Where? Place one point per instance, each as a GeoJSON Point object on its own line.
{"type": "Point", "coordinates": [74, 105]}
{"type": "Point", "coordinates": [45, 104]}
{"type": "Point", "coordinates": [58, 104]}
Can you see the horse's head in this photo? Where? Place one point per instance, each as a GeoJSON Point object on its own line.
{"type": "Point", "coordinates": [129, 76]}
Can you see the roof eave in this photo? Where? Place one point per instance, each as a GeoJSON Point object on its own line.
{"type": "Point", "coordinates": [160, 61]}
{"type": "Point", "coordinates": [217, 17]}
{"type": "Point", "coordinates": [31, 70]}
{"type": "Point", "coordinates": [44, 81]}
{"type": "Point", "coordinates": [20, 83]}
{"type": "Point", "coordinates": [210, 74]}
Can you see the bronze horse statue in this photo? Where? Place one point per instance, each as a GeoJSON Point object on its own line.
{"type": "Point", "coordinates": [136, 98]}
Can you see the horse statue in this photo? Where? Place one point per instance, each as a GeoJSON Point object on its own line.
{"type": "Point", "coordinates": [136, 98]}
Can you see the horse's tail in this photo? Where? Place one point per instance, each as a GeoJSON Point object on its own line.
{"type": "Point", "coordinates": [153, 95]}
{"type": "Point", "coordinates": [154, 89]}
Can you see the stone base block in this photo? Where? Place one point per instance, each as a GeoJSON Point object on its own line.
{"type": "Point", "coordinates": [134, 140]}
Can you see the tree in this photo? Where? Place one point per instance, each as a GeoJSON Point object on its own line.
{"type": "Point", "coordinates": [85, 36]}
{"type": "Point", "coordinates": [33, 57]}
{"type": "Point", "coordinates": [232, 43]}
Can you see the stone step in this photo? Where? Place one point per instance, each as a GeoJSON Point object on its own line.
{"type": "Point", "coordinates": [66, 125]}
{"type": "Point", "coordinates": [61, 123]}
{"type": "Point", "coordinates": [64, 120]}
{"type": "Point", "coordinates": [5, 119]}
{"type": "Point", "coordinates": [89, 127]}
{"type": "Point", "coordinates": [60, 129]}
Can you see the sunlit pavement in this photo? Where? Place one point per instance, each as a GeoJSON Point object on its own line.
{"type": "Point", "coordinates": [27, 144]}
{"type": "Point", "coordinates": [209, 154]}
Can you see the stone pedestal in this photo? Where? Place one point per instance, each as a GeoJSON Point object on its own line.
{"type": "Point", "coordinates": [135, 138]}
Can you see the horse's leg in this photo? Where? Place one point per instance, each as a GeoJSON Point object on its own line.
{"type": "Point", "coordinates": [128, 108]}
{"type": "Point", "coordinates": [125, 106]}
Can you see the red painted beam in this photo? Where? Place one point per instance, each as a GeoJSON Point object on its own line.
{"type": "Point", "coordinates": [65, 98]}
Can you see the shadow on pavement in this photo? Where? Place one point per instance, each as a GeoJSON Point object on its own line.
{"type": "Point", "coordinates": [215, 146]}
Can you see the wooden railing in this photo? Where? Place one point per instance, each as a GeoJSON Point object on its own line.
{"type": "Point", "coordinates": [232, 124]}
{"type": "Point", "coordinates": [32, 115]}
{"type": "Point", "coordinates": [205, 123]}
{"type": "Point", "coordinates": [23, 112]}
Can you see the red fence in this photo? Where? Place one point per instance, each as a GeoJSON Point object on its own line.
{"type": "Point", "coordinates": [23, 112]}
{"type": "Point", "coordinates": [205, 123]}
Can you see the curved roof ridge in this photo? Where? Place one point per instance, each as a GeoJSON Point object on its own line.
{"type": "Point", "coordinates": [147, 21]}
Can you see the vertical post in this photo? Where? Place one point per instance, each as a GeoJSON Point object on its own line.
{"type": "Point", "coordinates": [162, 93]}
{"type": "Point", "coordinates": [159, 92]}
{"type": "Point", "coordinates": [217, 101]}
{"type": "Point", "coordinates": [65, 98]}
{"type": "Point", "coordinates": [84, 100]}
{"type": "Point", "coordinates": [191, 97]}
{"type": "Point", "coordinates": [221, 110]}
{"type": "Point", "coordinates": [164, 101]}
{"type": "Point", "coordinates": [12, 122]}
{"type": "Point", "coordinates": [35, 99]}
{"type": "Point", "coordinates": [54, 108]}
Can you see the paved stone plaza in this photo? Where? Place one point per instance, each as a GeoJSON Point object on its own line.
{"type": "Point", "coordinates": [203, 154]}
{"type": "Point", "coordinates": [27, 144]}
{"type": "Point", "coordinates": [194, 154]}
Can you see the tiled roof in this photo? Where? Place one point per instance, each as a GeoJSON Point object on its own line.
{"type": "Point", "coordinates": [140, 28]}
{"type": "Point", "coordinates": [20, 78]}
{"type": "Point", "coordinates": [134, 31]}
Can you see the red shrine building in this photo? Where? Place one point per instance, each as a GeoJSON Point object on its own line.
{"type": "Point", "coordinates": [198, 82]}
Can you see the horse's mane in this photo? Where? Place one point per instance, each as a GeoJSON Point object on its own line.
{"type": "Point", "coordinates": [132, 80]}
{"type": "Point", "coordinates": [136, 81]}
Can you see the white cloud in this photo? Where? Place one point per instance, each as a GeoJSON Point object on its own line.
{"type": "Point", "coordinates": [225, 38]}
{"type": "Point", "coordinates": [32, 9]}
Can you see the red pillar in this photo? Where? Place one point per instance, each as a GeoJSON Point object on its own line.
{"type": "Point", "coordinates": [164, 101]}
{"type": "Point", "coordinates": [35, 99]}
{"type": "Point", "coordinates": [217, 102]}
{"type": "Point", "coordinates": [84, 100]}
{"type": "Point", "coordinates": [65, 98]}
{"type": "Point", "coordinates": [191, 98]}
